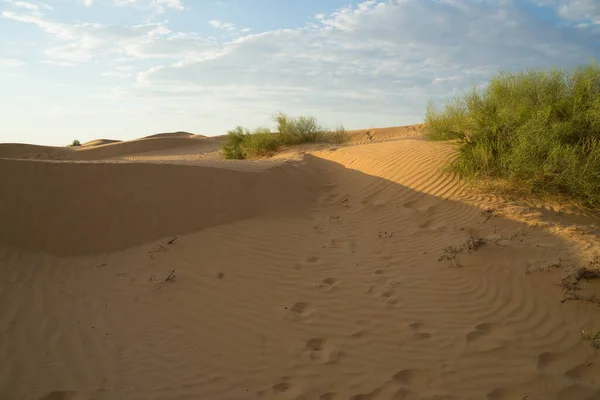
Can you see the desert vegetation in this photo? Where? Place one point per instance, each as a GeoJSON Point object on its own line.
{"type": "Point", "coordinates": [74, 143]}
{"type": "Point", "coordinates": [534, 131]}
{"type": "Point", "coordinates": [241, 143]}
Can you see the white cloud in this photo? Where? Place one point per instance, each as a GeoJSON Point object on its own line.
{"type": "Point", "coordinates": [155, 5]}
{"type": "Point", "coordinates": [11, 63]}
{"type": "Point", "coordinates": [378, 58]}
{"type": "Point", "coordinates": [446, 79]}
{"type": "Point", "coordinates": [84, 42]}
{"type": "Point", "coordinates": [221, 25]}
{"type": "Point", "coordinates": [34, 7]}
{"type": "Point", "coordinates": [575, 10]}
{"type": "Point", "coordinates": [59, 63]}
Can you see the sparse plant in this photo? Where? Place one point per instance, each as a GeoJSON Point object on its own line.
{"type": "Point", "coordinates": [337, 135]}
{"type": "Point", "coordinates": [298, 130]}
{"type": "Point", "coordinates": [571, 283]}
{"type": "Point", "coordinates": [450, 253]}
{"type": "Point", "coordinates": [589, 271]}
{"type": "Point", "coordinates": [261, 143]}
{"type": "Point", "coordinates": [592, 336]}
{"type": "Point", "coordinates": [75, 143]}
{"type": "Point", "coordinates": [241, 143]}
{"type": "Point", "coordinates": [232, 148]}
{"type": "Point", "coordinates": [536, 131]}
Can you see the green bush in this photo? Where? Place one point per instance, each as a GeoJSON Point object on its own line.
{"type": "Point", "coordinates": [261, 143]}
{"type": "Point", "coordinates": [74, 143]}
{"type": "Point", "coordinates": [298, 130]}
{"type": "Point", "coordinates": [536, 131]}
{"type": "Point", "coordinates": [337, 135]}
{"type": "Point", "coordinates": [232, 148]}
{"type": "Point", "coordinates": [241, 144]}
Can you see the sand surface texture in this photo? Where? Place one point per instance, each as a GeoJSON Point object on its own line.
{"type": "Point", "coordinates": [153, 269]}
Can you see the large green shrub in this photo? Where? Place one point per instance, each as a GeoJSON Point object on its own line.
{"type": "Point", "coordinates": [536, 130]}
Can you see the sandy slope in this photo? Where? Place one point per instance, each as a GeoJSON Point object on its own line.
{"type": "Point", "coordinates": [99, 142]}
{"type": "Point", "coordinates": [172, 134]}
{"type": "Point", "coordinates": [310, 276]}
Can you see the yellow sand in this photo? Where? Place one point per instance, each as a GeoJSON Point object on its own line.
{"type": "Point", "coordinates": [318, 274]}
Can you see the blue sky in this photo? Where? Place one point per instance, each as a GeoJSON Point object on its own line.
{"type": "Point", "coordinates": [123, 69]}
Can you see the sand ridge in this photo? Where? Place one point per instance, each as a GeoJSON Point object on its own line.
{"type": "Point", "coordinates": [338, 272]}
{"type": "Point", "coordinates": [99, 142]}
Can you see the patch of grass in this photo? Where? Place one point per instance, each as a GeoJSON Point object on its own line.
{"type": "Point", "coordinates": [232, 148]}
{"type": "Point", "coordinates": [538, 131]}
{"type": "Point", "coordinates": [472, 244]}
{"type": "Point", "coordinates": [589, 271]}
{"type": "Point", "coordinates": [571, 283]}
{"type": "Point", "coordinates": [337, 135]}
{"type": "Point", "coordinates": [592, 336]}
{"type": "Point", "coordinates": [243, 144]}
{"type": "Point", "coordinates": [298, 130]}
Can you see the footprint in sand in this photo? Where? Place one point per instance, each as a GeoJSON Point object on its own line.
{"type": "Point", "coordinates": [587, 373]}
{"type": "Point", "coordinates": [578, 392]}
{"type": "Point", "coordinates": [322, 350]}
{"type": "Point", "coordinates": [312, 259]}
{"type": "Point", "coordinates": [413, 378]}
{"type": "Point", "coordinates": [480, 330]}
{"type": "Point", "coordinates": [61, 395]}
{"type": "Point", "coordinates": [330, 396]}
{"type": "Point", "coordinates": [284, 388]}
{"type": "Point", "coordinates": [386, 291]}
{"type": "Point", "coordinates": [548, 360]}
{"type": "Point", "coordinates": [328, 284]}
{"type": "Point", "coordinates": [299, 310]}
{"type": "Point", "coordinates": [486, 336]}
{"type": "Point", "coordinates": [416, 327]}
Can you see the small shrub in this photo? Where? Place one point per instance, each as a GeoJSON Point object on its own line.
{"type": "Point", "coordinates": [232, 148]}
{"type": "Point", "coordinates": [298, 130]}
{"type": "Point", "coordinates": [537, 131]}
{"type": "Point", "coordinates": [589, 271]}
{"type": "Point", "coordinates": [592, 336]}
{"type": "Point", "coordinates": [75, 143]}
{"type": "Point", "coordinates": [241, 144]}
{"type": "Point", "coordinates": [261, 143]}
{"type": "Point", "coordinates": [338, 135]}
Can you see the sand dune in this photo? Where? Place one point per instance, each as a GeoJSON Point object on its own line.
{"type": "Point", "coordinates": [107, 207]}
{"type": "Point", "coordinates": [99, 142]}
{"type": "Point", "coordinates": [122, 149]}
{"type": "Point", "coordinates": [362, 136]}
{"type": "Point", "coordinates": [105, 149]}
{"type": "Point", "coordinates": [17, 150]}
{"type": "Point", "coordinates": [353, 272]}
{"type": "Point", "coordinates": [172, 135]}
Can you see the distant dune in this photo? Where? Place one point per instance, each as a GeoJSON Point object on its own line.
{"type": "Point", "coordinates": [99, 142]}
{"type": "Point", "coordinates": [121, 149]}
{"type": "Point", "coordinates": [172, 135]}
{"type": "Point", "coordinates": [154, 269]}
{"type": "Point", "coordinates": [361, 136]}
{"type": "Point", "coordinates": [17, 150]}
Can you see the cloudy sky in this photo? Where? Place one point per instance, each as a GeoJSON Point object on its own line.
{"type": "Point", "coordinates": [91, 69]}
